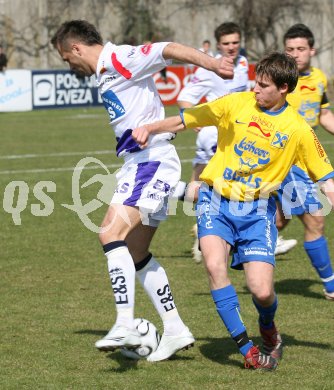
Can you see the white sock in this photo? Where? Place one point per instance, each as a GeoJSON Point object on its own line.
{"type": "Point", "coordinates": [155, 282]}
{"type": "Point", "coordinates": [122, 276]}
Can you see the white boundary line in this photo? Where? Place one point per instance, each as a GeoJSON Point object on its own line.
{"type": "Point", "coordinates": [64, 154]}
{"type": "Point", "coordinates": [67, 169]}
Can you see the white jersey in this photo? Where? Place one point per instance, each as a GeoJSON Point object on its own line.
{"type": "Point", "coordinates": [209, 85]}
{"type": "Point", "coordinates": [124, 78]}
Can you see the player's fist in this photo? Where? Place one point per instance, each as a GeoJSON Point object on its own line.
{"type": "Point", "coordinates": [140, 135]}
{"type": "Point", "coordinates": [226, 68]}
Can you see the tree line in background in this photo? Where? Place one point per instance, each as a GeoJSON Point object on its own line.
{"type": "Point", "coordinates": [261, 21]}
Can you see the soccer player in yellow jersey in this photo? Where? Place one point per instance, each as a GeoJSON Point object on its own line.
{"type": "Point", "coordinates": [310, 99]}
{"type": "Point", "coordinates": [259, 138]}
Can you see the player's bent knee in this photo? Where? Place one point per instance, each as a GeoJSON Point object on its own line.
{"type": "Point", "coordinates": [216, 269]}
{"type": "Point", "coordinates": [262, 294]}
{"type": "Point", "coordinates": [315, 226]}
{"type": "Point", "coordinates": [109, 233]}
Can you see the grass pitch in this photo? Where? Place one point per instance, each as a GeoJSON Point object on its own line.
{"type": "Point", "coordinates": [56, 299]}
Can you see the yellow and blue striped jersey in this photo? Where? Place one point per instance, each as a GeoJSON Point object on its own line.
{"type": "Point", "coordinates": [310, 96]}
{"type": "Point", "coordinates": [255, 148]}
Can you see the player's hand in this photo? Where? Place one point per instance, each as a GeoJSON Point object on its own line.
{"type": "Point", "coordinates": [197, 129]}
{"type": "Point", "coordinates": [140, 135]}
{"type": "Point", "coordinates": [225, 68]}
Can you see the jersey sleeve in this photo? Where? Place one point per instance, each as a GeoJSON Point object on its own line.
{"type": "Point", "coordinates": [312, 155]}
{"type": "Point", "coordinates": [139, 62]}
{"type": "Point", "coordinates": [206, 114]}
{"type": "Point", "coordinates": [198, 86]}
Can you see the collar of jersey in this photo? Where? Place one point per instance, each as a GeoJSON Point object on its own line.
{"type": "Point", "coordinates": [305, 73]}
{"type": "Point", "coordinates": [273, 113]}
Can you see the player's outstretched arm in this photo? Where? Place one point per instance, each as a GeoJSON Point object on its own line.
{"type": "Point", "coordinates": [172, 124]}
{"type": "Point", "coordinates": [223, 66]}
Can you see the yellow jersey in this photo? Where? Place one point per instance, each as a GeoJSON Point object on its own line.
{"type": "Point", "coordinates": [255, 148]}
{"type": "Point", "coordinates": [310, 95]}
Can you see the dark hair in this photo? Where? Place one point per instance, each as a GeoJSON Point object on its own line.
{"type": "Point", "coordinates": [299, 31]}
{"type": "Point", "coordinates": [227, 28]}
{"type": "Point", "coordinates": [80, 30]}
{"type": "Point", "coordinates": [206, 41]}
{"type": "Point", "coordinates": [280, 68]}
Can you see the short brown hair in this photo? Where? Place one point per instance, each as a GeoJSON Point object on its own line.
{"type": "Point", "coordinates": [80, 30]}
{"type": "Point", "coordinates": [299, 30]}
{"type": "Point", "coordinates": [227, 28]}
{"type": "Point", "coordinates": [280, 68]}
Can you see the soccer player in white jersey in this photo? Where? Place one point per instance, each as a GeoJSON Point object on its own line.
{"type": "Point", "coordinates": [207, 84]}
{"type": "Point", "coordinates": [124, 77]}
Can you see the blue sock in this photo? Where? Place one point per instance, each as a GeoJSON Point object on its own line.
{"type": "Point", "coordinates": [227, 305]}
{"type": "Point", "coordinates": [318, 253]}
{"type": "Point", "coordinates": [266, 314]}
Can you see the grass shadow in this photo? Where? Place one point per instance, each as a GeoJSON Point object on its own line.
{"type": "Point", "coordinates": [298, 287]}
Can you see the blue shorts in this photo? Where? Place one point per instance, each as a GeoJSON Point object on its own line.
{"type": "Point", "coordinates": [298, 194]}
{"type": "Point", "coordinates": [249, 227]}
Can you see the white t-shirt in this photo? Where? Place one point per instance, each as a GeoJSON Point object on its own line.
{"type": "Point", "coordinates": [209, 84]}
{"type": "Point", "coordinates": [124, 78]}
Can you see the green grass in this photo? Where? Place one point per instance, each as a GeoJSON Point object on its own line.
{"type": "Point", "coordinates": [56, 299]}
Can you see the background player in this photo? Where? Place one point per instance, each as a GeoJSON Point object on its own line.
{"type": "Point", "coordinates": [259, 138]}
{"type": "Point", "coordinates": [206, 47]}
{"type": "Point", "coordinates": [124, 77]}
{"type": "Point", "coordinates": [310, 99]}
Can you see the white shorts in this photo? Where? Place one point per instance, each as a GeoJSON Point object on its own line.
{"type": "Point", "coordinates": [147, 179]}
{"type": "Point", "coordinates": [206, 145]}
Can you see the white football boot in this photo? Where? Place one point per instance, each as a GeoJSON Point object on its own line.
{"type": "Point", "coordinates": [171, 344]}
{"type": "Point", "coordinates": [118, 337]}
{"type": "Point", "coordinates": [283, 246]}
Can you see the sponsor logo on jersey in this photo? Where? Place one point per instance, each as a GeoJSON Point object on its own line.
{"type": "Point", "coordinates": [108, 79]}
{"type": "Point", "coordinates": [312, 89]}
{"type": "Point", "coordinates": [318, 145]}
{"type": "Point", "coordinates": [239, 122]}
{"type": "Point", "coordinates": [280, 139]}
{"type": "Point", "coordinates": [256, 125]}
{"type": "Point", "coordinates": [162, 186]}
{"type": "Point", "coordinates": [255, 251]}
{"type": "Point", "coordinates": [245, 145]}
{"type": "Point", "coordinates": [131, 52]}
{"type": "Point", "coordinates": [146, 49]}
{"type": "Point", "coordinates": [195, 80]}
{"type": "Point", "coordinates": [122, 188]}
{"type": "Point", "coordinates": [249, 180]}
{"type": "Point", "coordinates": [264, 122]}
{"type": "Point", "coordinates": [113, 105]}
{"type": "Point", "coordinates": [248, 163]}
